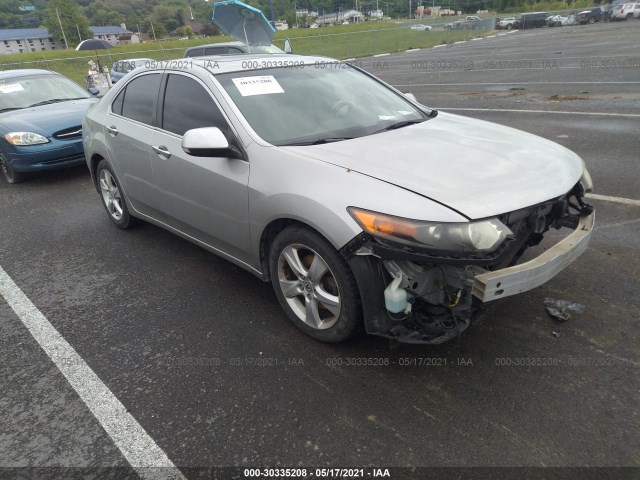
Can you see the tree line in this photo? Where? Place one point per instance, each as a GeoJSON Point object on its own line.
{"type": "Point", "coordinates": [160, 17]}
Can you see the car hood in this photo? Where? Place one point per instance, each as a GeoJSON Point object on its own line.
{"type": "Point", "coordinates": [46, 119]}
{"type": "Point", "coordinates": [476, 168]}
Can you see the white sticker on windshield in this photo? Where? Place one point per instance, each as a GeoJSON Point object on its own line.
{"type": "Point", "coordinates": [264, 85]}
{"type": "Point", "coordinates": [12, 87]}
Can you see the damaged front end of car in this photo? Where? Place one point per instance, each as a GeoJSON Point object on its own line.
{"type": "Point", "coordinates": [423, 282]}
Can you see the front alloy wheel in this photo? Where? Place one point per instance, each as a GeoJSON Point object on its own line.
{"type": "Point", "coordinates": [314, 285]}
{"type": "Point", "coordinates": [309, 286]}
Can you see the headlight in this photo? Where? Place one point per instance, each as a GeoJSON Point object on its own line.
{"type": "Point", "coordinates": [585, 179]}
{"type": "Point", "coordinates": [25, 138]}
{"type": "Point", "coordinates": [484, 236]}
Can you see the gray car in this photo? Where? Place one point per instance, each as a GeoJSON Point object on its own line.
{"type": "Point", "coordinates": [362, 207]}
{"type": "Point", "coordinates": [229, 48]}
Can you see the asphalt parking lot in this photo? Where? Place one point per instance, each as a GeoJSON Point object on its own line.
{"type": "Point", "coordinates": [199, 355]}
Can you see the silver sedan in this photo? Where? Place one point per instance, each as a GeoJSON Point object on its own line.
{"type": "Point", "coordinates": [363, 208]}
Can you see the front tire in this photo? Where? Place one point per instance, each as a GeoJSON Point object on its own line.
{"type": "Point", "coordinates": [314, 285]}
{"type": "Point", "coordinates": [9, 174]}
{"type": "Point", "coordinates": [112, 197]}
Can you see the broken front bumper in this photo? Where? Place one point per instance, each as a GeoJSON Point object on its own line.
{"type": "Point", "coordinates": [526, 276]}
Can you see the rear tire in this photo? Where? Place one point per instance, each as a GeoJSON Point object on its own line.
{"type": "Point", "coordinates": [112, 197]}
{"type": "Point", "coordinates": [592, 20]}
{"type": "Point", "coordinates": [629, 16]}
{"type": "Point", "coordinates": [9, 174]}
{"type": "Point", "coordinates": [314, 285]}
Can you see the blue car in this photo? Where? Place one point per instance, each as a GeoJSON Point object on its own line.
{"type": "Point", "coordinates": [122, 67]}
{"type": "Point", "coordinates": [41, 116]}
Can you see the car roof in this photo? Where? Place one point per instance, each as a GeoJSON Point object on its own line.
{"type": "Point", "coordinates": [6, 74]}
{"type": "Point", "coordinates": [237, 63]}
{"type": "Point", "coordinates": [132, 59]}
{"type": "Point", "coordinates": [219, 44]}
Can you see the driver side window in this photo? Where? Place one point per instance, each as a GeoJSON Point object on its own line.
{"type": "Point", "coordinates": [188, 105]}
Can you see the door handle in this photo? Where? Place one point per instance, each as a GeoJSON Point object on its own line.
{"type": "Point", "coordinates": [161, 150]}
{"type": "Point", "coordinates": [112, 130]}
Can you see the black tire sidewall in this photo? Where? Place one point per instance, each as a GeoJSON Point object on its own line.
{"type": "Point", "coordinates": [10, 175]}
{"type": "Point", "coordinates": [350, 320]}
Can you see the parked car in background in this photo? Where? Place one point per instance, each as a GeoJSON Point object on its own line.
{"type": "Point", "coordinates": [229, 48]}
{"type": "Point", "coordinates": [420, 26]}
{"type": "Point", "coordinates": [531, 20]}
{"type": "Point", "coordinates": [561, 21]}
{"type": "Point", "coordinates": [40, 122]}
{"type": "Point", "coordinates": [596, 14]}
{"type": "Point", "coordinates": [315, 179]}
{"type": "Point", "coordinates": [626, 11]}
{"type": "Point", "coordinates": [120, 68]}
{"type": "Point", "coordinates": [506, 23]}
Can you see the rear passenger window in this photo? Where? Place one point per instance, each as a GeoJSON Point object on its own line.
{"type": "Point", "coordinates": [116, 106]}
{"type": "Point", "coordinates": [187, 105]}
{"type": "Point", "coordinates": [216, 51]}
{"type": "Point", "coordinates": [195, 52]}
{"type": "Point", "coordinates": [140, 97]}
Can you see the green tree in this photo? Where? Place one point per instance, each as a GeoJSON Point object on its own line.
{"type": "Point", "coordinates": [72, 20]}
{"type": "Point", "coordinates": [100, 12]}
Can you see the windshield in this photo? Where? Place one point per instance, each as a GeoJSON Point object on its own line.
{"type": "Point", "coordinates": [309, 104]}
{"type": "Point", "coordinates": [264, 49]}
{"type": "Point", "coordinates": [23, 92]}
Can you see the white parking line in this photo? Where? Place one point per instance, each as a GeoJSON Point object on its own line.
{"type": "Point", "coordinates": [560, 112]}
{"type": "Point", "coordinates": [132, 440]}
{"type": "Point", "coordinates": [382, 55]}
{"type": "Point", "coordinates": [513, 83]}
{"type": "Point", "coordinates": [461, 41]}
{"type": "Point", "coordinates": [412, 50]}
{"type": "Point", "coordinates": [438, 46]}
{"type": "Point", "coordinates": [607, 198]}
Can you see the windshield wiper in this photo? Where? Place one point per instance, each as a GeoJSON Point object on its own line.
{"type": "Point", "coordinates": [401, 124]}
{"type": "Point", "coordinates": [10, 108]}
{"type": "Point", "coordinates": [55, 100]}
{"type": "Point", "coordinates": [317, 141]}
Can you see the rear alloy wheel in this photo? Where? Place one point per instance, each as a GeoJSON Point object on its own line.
{"type": "Point", "coordinates": [112, 197]}
{"type": "Point", "coordinates": [592, 20]}
{"type": "Point", "coordinates": [10, 175]}
{"type": "Point", "coordinates": [314, 285]}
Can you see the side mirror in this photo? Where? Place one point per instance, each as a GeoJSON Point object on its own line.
{"type": "Point", "coordinates": [287, 46]}
{"type": "Point", "coordinates": [411, 97]}
{"type": "Point", "coordinates": [209, 142]}
{"type": "Point", "coordinates": [93, 91]}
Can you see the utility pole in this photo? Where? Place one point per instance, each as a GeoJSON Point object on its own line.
{"type": "Point", "coordinates": [66, 45]}
{"type": "Point", "coordinates": [79, 36]}
{"type": "Point", "coordinates": [153, 30]}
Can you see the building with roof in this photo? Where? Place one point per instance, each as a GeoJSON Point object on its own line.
{"type": "Point", "coordinates": [109, 33]}
{"type": "Point", "coordinates": [23, 40]}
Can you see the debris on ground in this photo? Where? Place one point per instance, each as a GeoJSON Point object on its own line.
{"type": "Point", "coordinates": [556, 334]}
{"type": "Point", "coordinates": [561, 310]}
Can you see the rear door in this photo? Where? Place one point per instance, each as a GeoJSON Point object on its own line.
{"type": "Point", "coordinates": [130, 125]}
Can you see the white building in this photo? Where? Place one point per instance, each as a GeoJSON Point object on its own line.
{"type": "Point", "coordinates": [24, 40]}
